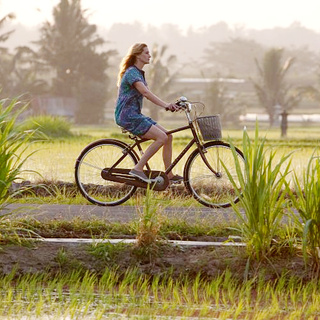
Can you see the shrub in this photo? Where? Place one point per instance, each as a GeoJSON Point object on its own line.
{"type": "Point", "coordinates": [262, 195]}
{"type": "Point", "coordinates": [48, 126]}
{"type": "Point", "coordinates": [13, 146]}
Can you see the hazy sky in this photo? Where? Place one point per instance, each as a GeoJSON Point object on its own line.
{"type": "Point", "coordinates": [256, 14]}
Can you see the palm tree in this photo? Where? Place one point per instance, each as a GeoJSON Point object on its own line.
{"type": "Point", "coordinates": [18, 71]}
{"type": "Point", "coordinates": [4, 37]}
{"type": "Point", "coordinates": [69, 46]}
{"type": "Point", "coordinates": [160, 77]}
{"type": "Point", "coordinates": [26, 69]}
{"type": "Point", "coordinates": [64, 42]}
{"type": "Point", "coordinates": [272, 91]}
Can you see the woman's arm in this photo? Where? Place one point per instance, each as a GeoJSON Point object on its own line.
{"type": "Point", "coordinates": [151, 96]}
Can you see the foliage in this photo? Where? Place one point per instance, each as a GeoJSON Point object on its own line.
{"type": "Point", "coordinates": [18, 71]}
{"type": "Point", "coordinates": [306, 200]}
{"type": "Point", "coordinates": [271, 88]}
{"type": "Point", "coordinates": [48, 126]}
{"type": "Point", "coordinates": [148, 229]}
{"type": "Point", "coordinates": [261, 195]}
{"type": "Point", "coordinates": [13, 145]}
{"type": "Point", "coordinates": [4, 36]}
{"type": "Point", "coordinates": [69, 46]}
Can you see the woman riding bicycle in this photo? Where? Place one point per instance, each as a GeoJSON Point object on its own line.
{"type": "Point", "coordinates": [132, 89]}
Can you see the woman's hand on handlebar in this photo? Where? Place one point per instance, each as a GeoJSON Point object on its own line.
{"type": "Point", "coordinates": [173, 107]}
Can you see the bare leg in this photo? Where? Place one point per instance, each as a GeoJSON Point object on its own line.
{"type": "Point", "coordinates": [160, 138]}
{"type": "Point", "coordinates": [167, 151]}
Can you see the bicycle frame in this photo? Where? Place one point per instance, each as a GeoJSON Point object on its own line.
{"type": "Point", "coordinates": [195, 140]}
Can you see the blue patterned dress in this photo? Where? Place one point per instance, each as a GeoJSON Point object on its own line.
{"type": "Point", "coordinates": [129, 104]}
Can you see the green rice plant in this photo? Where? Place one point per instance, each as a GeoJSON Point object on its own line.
{"type": "Point", "coordinates": [261, 195]}
{"type": "Point", "coordinates": [62, 257]}
{"type": "Point", "coordinates": [48, 126]}
{"type": "Point", "coordinates": [129, 294]}
{"type": "Point", "coordinates": [305, 197]}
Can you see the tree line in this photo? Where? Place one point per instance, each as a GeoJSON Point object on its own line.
{"type": "Point", "coordinates": [70, 59]}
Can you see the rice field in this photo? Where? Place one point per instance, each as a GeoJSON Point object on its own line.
{"type": "Point", "coordinates": [135, 296]}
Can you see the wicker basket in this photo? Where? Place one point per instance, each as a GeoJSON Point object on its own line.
{"type": "Point", "coordinates": [210, 127]}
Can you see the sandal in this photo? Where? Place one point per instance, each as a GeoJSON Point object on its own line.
{"type": "Point", "coordinates": [141, 175]}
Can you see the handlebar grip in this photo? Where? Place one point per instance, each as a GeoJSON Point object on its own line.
{"type": "Point", "coordinates": [167, 109]}
{"type": "Point", "coordinates": [181, 104]}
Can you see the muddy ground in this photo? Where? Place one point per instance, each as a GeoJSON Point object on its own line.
{"type": "Point", "coordinates": [179, 260]}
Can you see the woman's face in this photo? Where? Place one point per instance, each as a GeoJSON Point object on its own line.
{"type": "Point", "coordinates": [144, 56]}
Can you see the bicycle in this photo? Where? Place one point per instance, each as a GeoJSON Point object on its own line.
{"type": "Point", "coordinates": [102, 168]}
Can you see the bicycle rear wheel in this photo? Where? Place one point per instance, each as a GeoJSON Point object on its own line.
{"type": "Point", "coordinates": [215, 191]}
{"type": "Point", "coordinates": [89, 165]}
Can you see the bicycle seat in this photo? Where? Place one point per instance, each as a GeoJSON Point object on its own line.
{"type": "Point", "coordinates": [131, 135]}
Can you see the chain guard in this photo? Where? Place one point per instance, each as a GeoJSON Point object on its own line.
{"type": "Point", "coordinates": [123, 176]}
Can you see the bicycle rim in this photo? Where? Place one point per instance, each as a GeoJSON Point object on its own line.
{"type": "Point", "coordinates": [204, 185]}
{"type": "Point", "coordinates": [92, 160]}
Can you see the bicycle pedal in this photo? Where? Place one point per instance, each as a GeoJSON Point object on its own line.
{"type": "Point", "coordinates": [175, 182]}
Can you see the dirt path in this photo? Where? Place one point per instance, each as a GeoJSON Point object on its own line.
{"type": "Point", "coordinates": [120, 214]}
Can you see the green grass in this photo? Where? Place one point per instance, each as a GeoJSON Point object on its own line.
{"type": "Point", "coordinates": [175, 226]}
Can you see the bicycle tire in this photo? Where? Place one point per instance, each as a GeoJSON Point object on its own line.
{"type": "Point", "coordinates": [203, 184]}
{"type": "Point", "coordinates": [92, 160]}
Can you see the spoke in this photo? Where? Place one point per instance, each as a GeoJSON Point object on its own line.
{"type": "Point", "coordinates": [207, 176]}
{"type": "Point", "coordinates": [92, 166]}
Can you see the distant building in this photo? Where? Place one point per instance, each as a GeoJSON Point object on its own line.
{"type": "Point", "coordinates": [198, 86]}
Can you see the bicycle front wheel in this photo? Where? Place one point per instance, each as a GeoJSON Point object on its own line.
{"type": "Point", "coordinates": [213, 190]}
{"type": "Point", "coordinates": [89, 165]}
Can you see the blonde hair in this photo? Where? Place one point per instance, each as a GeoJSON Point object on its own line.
{"type": "Point", "coordinates": [130, 59]}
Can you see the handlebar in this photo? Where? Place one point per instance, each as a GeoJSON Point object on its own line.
{"type": "Point", "coordinates": [187, 106]}
{"type": "Point", "coordinates": [184, 104]}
